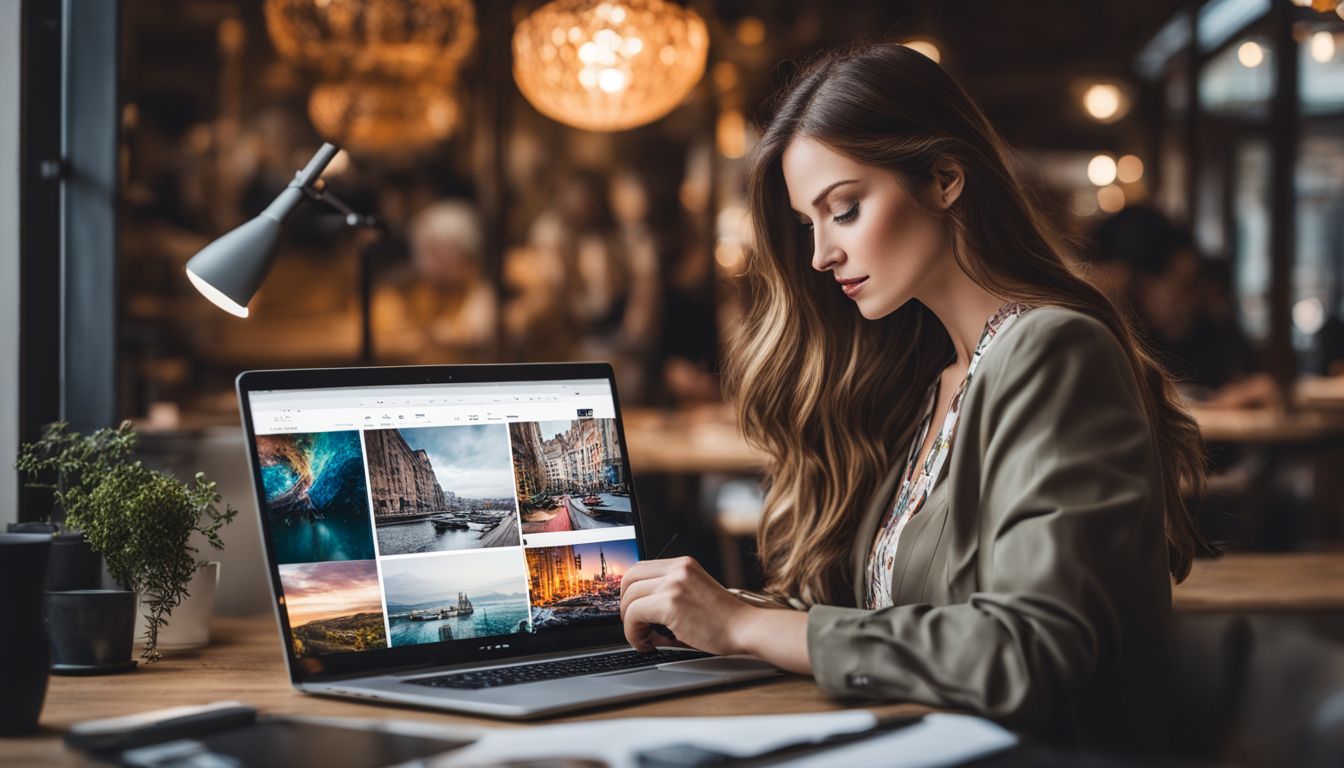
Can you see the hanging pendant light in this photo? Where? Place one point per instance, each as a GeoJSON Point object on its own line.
{"type": "Point", "coordinates": [383, 116]}
{"type": "Point", "coordinates": [389, 67]}
{"type": "Point", "coordinates": [412, 39]}
{"type": "Point", "coordinates": [609, 65]}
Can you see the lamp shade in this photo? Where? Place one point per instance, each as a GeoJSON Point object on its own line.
{"type": "Point", "coordinates": [229, 270]}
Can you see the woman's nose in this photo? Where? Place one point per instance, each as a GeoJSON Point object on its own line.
{"type": "Point", "coordinates": [825, 256]}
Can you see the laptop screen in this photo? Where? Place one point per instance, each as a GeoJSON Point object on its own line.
{"type": "Point", "coordinates": [408, 515]}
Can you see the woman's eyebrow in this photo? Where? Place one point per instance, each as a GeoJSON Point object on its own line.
{"type": "Point", "coordinates": [816, 201]}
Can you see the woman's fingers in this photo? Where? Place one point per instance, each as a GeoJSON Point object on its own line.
{"type": "Point", "coordinates": [649, 569]}
{"type": "Point", "coordinates": [641, 588]}
{"type": "Point", "coordinates": [640, 616]}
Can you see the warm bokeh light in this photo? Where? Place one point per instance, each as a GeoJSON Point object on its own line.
{"type": "Point", "coordinates": [1322, 47]}
{"type": "Point", "coordinates": [730, 256]}
{"type": "Point", "coordinates": [731, 134]}
{"type": "Point", "coordinates": [1101, 170]}
{"type": "Point", "coordinates": [1129, 169]}
{"type": "Point", "coordinates": [1250, 54]}
{"type": "Point", "coordinates": [1111, 199]}
{"type": "Point", "coordinates": [611, 65]}
{"type": "Point", "coordinates": [340, 163]}
{"type": "Point", "coordinates": [1102, 101]}
{"type": "Point", "coordinates": [1308, 315]}
{"type": "Point", "coordinates": [725, 75]}
{"type": "Point", "coordinates": [927, 48]}
{"type": "Point", "coordinates": [751, 31]}
{"type": "Point", "coordinates": [1084, 204]}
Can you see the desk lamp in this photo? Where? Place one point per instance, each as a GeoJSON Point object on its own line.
{"type": "Point", "coordinates": [229, 270]}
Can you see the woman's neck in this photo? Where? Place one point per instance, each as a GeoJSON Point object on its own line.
{"type": "Point", "coordinates": [962, 306]}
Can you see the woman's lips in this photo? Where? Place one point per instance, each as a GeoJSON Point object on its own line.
{"type": "Point", "coordinates": [852, 286]}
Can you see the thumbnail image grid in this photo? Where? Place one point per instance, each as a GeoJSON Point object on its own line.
{"type": "Point", "coordinates": [456, 595]}
{"type": "Point", "coordinates": [578, 583]}
{"type": "Point", "coordinates": [316, 504]}
{"type": "Point", "coordinates": [436, 489]}
{"type": "Point", "coordinates": [570, 475]}
{"type": "Point", "coordinates": [333, 607]}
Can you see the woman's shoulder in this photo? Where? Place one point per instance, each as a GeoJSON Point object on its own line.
{"type": "Point", "coordinates": [1049, 330]}
{"type": "Point", "coordinates": [1053, 321]}
{"type": "Point", "coordinates": [1059, 345]}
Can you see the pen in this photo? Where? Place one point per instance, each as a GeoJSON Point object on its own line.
{"type": "Point", "coordinates": [663, 551]}
{"type": "Point", "coordinates": [659, 628]}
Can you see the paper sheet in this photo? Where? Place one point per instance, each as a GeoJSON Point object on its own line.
{"type": "Point", "coordinates": [940, 740]}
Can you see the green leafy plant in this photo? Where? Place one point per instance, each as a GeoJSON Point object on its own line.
{"type": "Point", "coordinates": [140, 519]}
{"type": "Point", "coordinates": [76, 463]}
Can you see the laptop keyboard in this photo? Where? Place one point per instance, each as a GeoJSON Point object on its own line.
{"type": "Point", "coordinates": [551, 670]}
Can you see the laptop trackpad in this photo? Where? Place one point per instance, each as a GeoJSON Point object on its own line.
{"type": "Point", "coordinates": [652, 678]}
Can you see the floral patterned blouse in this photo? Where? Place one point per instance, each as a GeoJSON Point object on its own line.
{"type": "Point", "coordinates": [915, 488]}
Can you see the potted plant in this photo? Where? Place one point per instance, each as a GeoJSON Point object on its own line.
{"type": "Point", "coordinates": [72, 462]}
{"type": "Point", "coordinates": [140, 519]}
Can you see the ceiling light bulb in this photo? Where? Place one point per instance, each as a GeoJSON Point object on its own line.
{"type": "Point", "coordinates": [1101, 170]}
{"type": "Point", "coordinates": [1323, 47]}
{"type": "Point", "coordinates": [1111, 199]}
{"type": "Point", "coordinates": [1102, 101]}
{"type": "Point", "coordinates": [1129, 169]}
{"type": "Point", "coordinates": [1250, 54]}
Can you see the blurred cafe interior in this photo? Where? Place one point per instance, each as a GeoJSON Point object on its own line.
{"type": "Point", "coordinates": [1190, 151]}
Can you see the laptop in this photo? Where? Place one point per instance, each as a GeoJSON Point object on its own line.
{"type": "Point", "coordinates": [454, 537]}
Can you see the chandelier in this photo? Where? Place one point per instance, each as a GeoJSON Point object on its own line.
{"type": "Point", "coordinates": [396, 38]}
{"type": "Point", "coordinates": [383, 116]}
{"type": "Point", "coordinates": [608, 65]}
{"type": "Point", "coordinates": [388, 66]}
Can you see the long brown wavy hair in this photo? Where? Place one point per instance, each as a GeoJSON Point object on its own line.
{"type": "Point", "coordinates": [834, 399]}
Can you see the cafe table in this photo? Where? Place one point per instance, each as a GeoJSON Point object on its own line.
{"type": "Point", "coordinates": [244, 663]}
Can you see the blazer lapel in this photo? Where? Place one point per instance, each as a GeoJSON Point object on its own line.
{"type": "Point", "coordinates": [872, 516]}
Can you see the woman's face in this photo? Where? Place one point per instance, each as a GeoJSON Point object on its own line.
{"type": "Point", "coordinates": [867, 231]}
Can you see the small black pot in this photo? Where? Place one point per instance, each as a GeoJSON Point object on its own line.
{"type": "Point", "coordinates": [24, 653]}
{"type": "Point", "coordinates": [92, 631]}
{"type": "Point", "coordinates": [73, 563]}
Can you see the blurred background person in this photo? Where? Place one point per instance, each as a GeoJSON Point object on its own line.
{"type": "Point", "coordinates": [440, 307]}
{"type": "Point", "coordinates": [590, 279]}
{"type": "Point", "coordinates": [1182, 306]}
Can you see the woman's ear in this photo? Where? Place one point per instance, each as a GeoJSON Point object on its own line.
{"type": "Point", "coordinates": [948, 180]}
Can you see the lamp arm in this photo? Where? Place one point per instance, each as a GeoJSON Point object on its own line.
{"type": "Point", "coordinates": [318, 192]}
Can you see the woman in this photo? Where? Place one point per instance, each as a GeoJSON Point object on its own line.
{"type": "Point", "coordinates": [975, 485]}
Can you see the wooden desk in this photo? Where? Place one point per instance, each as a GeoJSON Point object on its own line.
{"type": "Point", "coordinates": [244, 664]}
{"type": "Point", "coordinates": [688, 442]}
{"type": "Point", "coordinates": [1292, 582]}
{"type": "Point", "coordinates": [707, 440]}
{"type": "Point", "coordinates": [1268, 426]}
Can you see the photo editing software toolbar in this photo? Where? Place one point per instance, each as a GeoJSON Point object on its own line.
{"type": "Point", "coordinates": [404, 515]}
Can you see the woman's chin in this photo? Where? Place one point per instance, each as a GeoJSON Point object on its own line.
{"type": "Point", "coordinates": [875, 310]}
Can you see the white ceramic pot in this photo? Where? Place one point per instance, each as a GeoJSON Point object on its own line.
{"type": "Point", "coordinates": [189, 624]}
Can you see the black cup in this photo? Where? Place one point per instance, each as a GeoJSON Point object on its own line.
{"type": "Point", "coordinates": [24, 653]}
{"type": "Point", "coordinates": [73, 563]}
{"type": "Point", "coordinates": [92, 631]}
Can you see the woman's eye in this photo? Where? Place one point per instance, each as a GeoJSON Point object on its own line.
{"type": "Point", "coordinates": [849, 215]}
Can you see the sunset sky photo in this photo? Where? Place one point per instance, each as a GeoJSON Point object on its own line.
{"type": "Point", "coordinates": [621, 554]}
{"type": "Point", "coordinates": [315, 591]}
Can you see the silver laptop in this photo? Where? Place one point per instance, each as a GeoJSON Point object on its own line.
{"type": "Point", "coordinates": [454, 537]}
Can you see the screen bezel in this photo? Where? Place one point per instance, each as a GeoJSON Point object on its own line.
{"type": "Point", "coordinates": [466, 650]}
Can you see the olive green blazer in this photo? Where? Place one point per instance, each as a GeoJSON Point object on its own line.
{"type": "Point", "coordinates": [1033, 585]}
